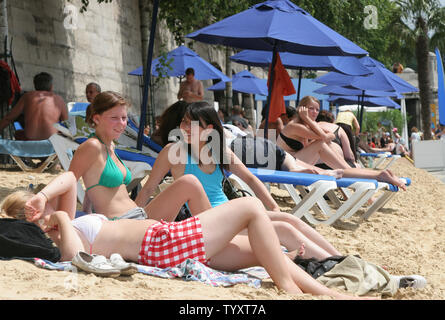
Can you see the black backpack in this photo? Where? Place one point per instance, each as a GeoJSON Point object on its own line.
{"type": "Point", "coordinates": [21, 239]}
{"type": "Point", "coordinates": [315, 267]}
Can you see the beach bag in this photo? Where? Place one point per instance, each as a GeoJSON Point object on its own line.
{"type": "Point", "coordinates": [231, 191]}
{"type": "Point", "coordinates": [317, 268]}
{"type": "Point", "coordinates": [20, 239]}
{"type": "Point", "coordinates": [184, 213]}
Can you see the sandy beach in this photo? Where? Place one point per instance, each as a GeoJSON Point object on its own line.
{"type": "Point", "coordinates": [406, 236]}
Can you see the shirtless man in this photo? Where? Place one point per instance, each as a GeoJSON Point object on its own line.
{"type": "Point", "coordinates": [41, 109]}
{"type": "Point", "coordinates": [191, 90]}
{"type": "Point", "coordinates": [91, 91]}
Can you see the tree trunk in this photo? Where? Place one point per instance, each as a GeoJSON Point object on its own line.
{"type": "Point", "coordinates": [145, 15]}
{"type": "Point", "coordinates": [423, 71]}
{"type": "Point", "coordinates": [3, 23]}
{"type": "Point", "coordinates": [145, 7]}
{"type": "Point", "coordinates": [229, 83]}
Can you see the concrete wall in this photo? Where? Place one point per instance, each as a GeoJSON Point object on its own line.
{"type": "Point", "coordinates": [100, 45]}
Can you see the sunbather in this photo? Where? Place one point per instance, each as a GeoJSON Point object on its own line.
{"type": "Point", "coordinates": [215, 232]}
{"type": "Point", "coordinates": [304, 139]}
{"type": "Point", "coordinates": [181, 158]}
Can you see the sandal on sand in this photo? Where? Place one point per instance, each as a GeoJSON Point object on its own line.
{"type": "Point", "coordinates": [95, 264]}
{"type": "Point", "coordinates": [125, 268]}
{"type": "Point", "coordinates": [412, 281]}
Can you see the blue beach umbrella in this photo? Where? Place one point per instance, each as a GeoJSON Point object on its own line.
{"type": "Point", "coordinates": [183, 58]}
{"type": "Point", "coordinates": [244, 81]}
{"type": "Point", "coordinates": [342, 64]}
{"type": "Point", "coordinates": [367, 101]}
{"type": "Point", "coordinates": [381, 79]}
{"type": "Point", "coordinates": [342, 91]}
{"type": "Point", "coordinates": [440, 88]}
{"type": "Point", "coordinates": [277, 26]}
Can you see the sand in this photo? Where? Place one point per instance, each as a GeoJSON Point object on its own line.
{"type": "Point", "coordinates": [406, 236]}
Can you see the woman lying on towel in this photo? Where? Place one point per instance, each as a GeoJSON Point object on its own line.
{"type": "Point", "coordinates": [200, 152]}
{"type": "Point", "coordinates": [306, 140]}
{"type": "Point", "coordinates": [211, 238]}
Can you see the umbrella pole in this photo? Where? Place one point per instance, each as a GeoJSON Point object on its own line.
{"type": "Point", "coordinates": [361, 112]}
{"type": "Point", "coordinates": [272, 80]}
{"type": "Point", "coordinates": [358, 107]}
{"type": "Point", "coordinates": [300, 75]}
{"type": "Point", "coordinates": [147, 76]}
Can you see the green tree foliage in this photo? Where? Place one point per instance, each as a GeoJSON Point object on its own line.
{"type": "Point", "coordinates": [390, 119]}
{"type": "Point", "coordinates": [421, 27]}
{"type": "Point", "coordinates": [183, 17]}
{"type": "Point", "coordinates": [364, 22]}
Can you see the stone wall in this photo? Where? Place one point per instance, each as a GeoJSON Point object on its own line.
{"type": "Point", "coordinates": [100, 45]}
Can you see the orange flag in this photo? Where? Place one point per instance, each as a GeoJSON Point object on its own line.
{"type": "Point", "coordinates": [282, 86]}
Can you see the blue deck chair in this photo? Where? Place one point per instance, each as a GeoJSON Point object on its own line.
{"type": "Point", "coordinates": [132, 130]}
{"type": "Point", "coordinates": [378, 160]}
{"type": "Point", "coordinates": [18, 149]}
{"type": "Point", "coordinates": [77, 108]}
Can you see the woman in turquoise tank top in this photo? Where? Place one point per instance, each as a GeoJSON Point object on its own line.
{"type": "Point", "coordinates": [105, 176]}
{"type": "Point", "coordinates": [202, 152]}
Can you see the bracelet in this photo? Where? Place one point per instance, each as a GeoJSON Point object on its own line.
{"type": "Point", "coordinates": [44, 195]}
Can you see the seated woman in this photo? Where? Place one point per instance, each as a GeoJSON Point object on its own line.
{"type": "Point", "coordinates": [203, 153]}
{"type": "Point", "coordinates": [304, 139]}
{"type": "Point", "coordinates": [105, 175]}
{"type": "Point", "coordinates": [211, 238]}
{"type": "Point", "coordinates": [326, 121]}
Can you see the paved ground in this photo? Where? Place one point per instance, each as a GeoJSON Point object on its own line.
{"type": "Point", "coordinates": [438, 174]}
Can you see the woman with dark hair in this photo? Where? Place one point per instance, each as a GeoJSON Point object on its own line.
{"type": "Point", "coordinates": [325, 120]}
{"type": "Point", "coordinates": [168, 121]}
{"type": "Point", "coordinates": [204, 154]}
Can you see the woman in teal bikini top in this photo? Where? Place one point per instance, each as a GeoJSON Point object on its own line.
{"type": "Point", "coordinates": [111, 176]}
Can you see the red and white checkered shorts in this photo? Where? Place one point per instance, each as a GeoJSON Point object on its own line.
{"type": "Point", "coordinates": [169, 244]}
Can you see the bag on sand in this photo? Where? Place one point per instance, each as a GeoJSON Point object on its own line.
{"type": "Point", "coordinates": [21, 239]}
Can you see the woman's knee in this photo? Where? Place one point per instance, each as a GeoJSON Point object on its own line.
{"type": "Point", "coordinates": [250, 205]}
{"type": "Point", "coordinates": [190, 182]}
{"type": "Point", "coordinates": [282, 227]}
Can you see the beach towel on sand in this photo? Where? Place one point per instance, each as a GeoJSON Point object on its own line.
{"type": "Point", "coordinates": [189, 270]}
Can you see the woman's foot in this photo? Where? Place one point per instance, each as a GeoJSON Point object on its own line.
{"type": "Point", "coordinates": [337, 173]}
{"type": "Point", "coordinates": [388, 176]}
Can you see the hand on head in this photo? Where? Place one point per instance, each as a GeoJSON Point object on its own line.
{"type": "Point", "coordinates": [303, 112]}
{"type": "Point", "coordinates": [34, 208]}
